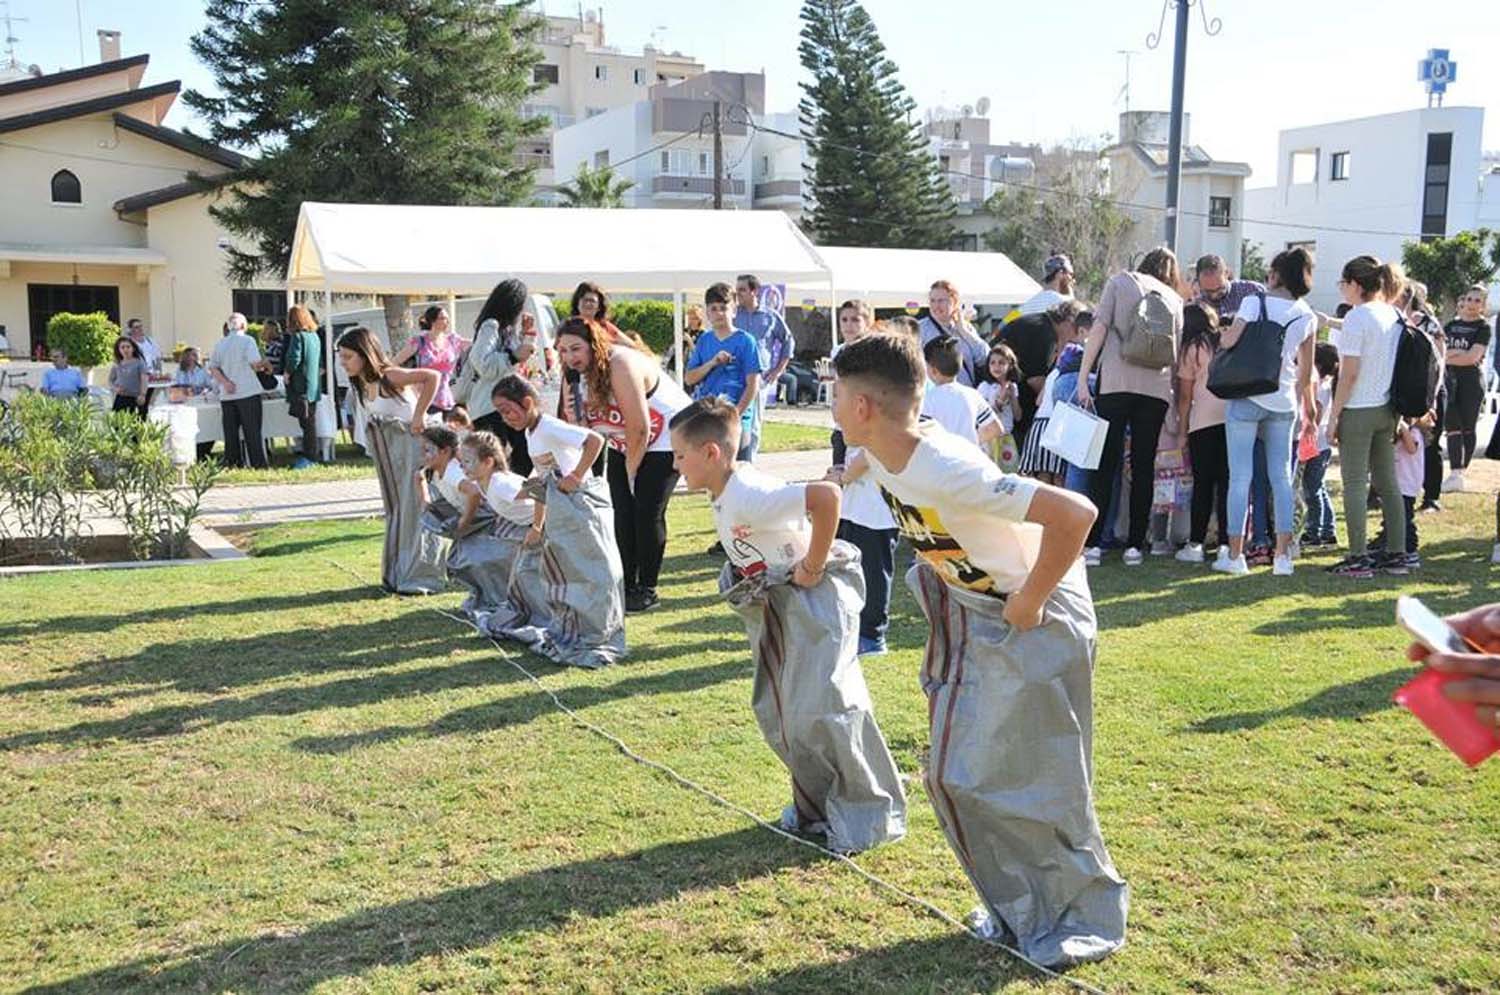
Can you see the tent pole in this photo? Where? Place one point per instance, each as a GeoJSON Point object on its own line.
{"type": "Point", "coordinates": [329, 360]}
{"type": "Point", "coordinates": [677, 336]}
{"type": "Point", "coordinates": [833, 317]}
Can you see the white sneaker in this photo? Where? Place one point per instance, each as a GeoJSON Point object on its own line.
{"type": "Point", "coordinates": [1495, 556]}
{"type": "Point", "coordinates": [1191, 553]}
{"type": "Point", "coordinates": [1236, 567]}
{"type": "Point", "coordinates": [1133, 557]}
{"type": "Point", "coordinates": [1282, 566]}
{"type": "Point", "coordinates": [1454, 483]}
{"type": "Point", "coordinates": [1223, 556]}
{"type": "Point", "coordinates": [1092, 556]}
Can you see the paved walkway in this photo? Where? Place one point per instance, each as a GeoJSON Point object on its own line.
{"type": "Point", "coordinates": [270, 503]}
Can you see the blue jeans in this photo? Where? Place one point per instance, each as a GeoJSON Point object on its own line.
{"type": "Point", "coordinates": [1315, 492]}
{"type": "Point", "coordinates": [1260, 499]}
{"type": "Point", "coordinates": [1245, 423]}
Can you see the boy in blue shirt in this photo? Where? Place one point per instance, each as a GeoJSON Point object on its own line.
{"type": "Point", "coordinates": [725, 362]}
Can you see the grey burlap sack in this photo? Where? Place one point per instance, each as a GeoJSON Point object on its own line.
{"type": "Point", "coordinates": [523, 616]}
{"type": "Point", "coordinates": [1011, 763]}
{"type": "Point", "coordinates": [411, 561]}
{"type": "Point", "coordinates": [481, 557]}
{"type": "Point", "coordinates": [812, 704]}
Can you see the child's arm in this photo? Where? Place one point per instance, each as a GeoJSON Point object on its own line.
{"type": "Point", "coordinates": [856, 468]}
{"type": "Point", "coordinates": [1065, 519]}
{"type": "Point", "coordinates": [470, 491]}
{"type": "Point", "coordinates": [1408, 437]}
{"type": "Point", "coordinates": [422, 488]}
{"type": "Point", "coordinates": [990, 431]}
{"type": "Point", "coordinates": [591, 449]}
{"type": "Point", "coordinates": [538, 523]}
{"type": "Point", "coordinates": [823, 509]}
{"type": "Point", "coordinates": [1014, 400]}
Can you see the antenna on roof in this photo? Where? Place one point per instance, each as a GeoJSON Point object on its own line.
{"type": "Point", "coordinates": [10, 35]}
{"type": "Point", "coordinates": [1125, 90]}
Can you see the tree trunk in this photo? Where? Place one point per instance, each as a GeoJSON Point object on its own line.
{"type": "Point", "coordinates": [398, 323]}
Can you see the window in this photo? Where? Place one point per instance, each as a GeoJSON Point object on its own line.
{"type": "Point", "coordinates": [65, 188]}
{"type": "Point", "coordinates": [702, 163]}
{"type": "Point", "coordinates": [543, 72]}
{"type": "Point", "coordinates": [1435, 188]}
{"type": "Point", "coordinates": [1218, 212]}
{"type": "Point", "coordinates": [601, 158]}
{"type": "Point", "coordinates": [765, 165]}
{"type": "Point", "coordinates": [601, 73]}
{"type": "Point", "coordinates": [1338, 168]}
{"type": "Point", "coordinates": [639, 76]}
{"type": "Point", "coordinates": [1311, 247]}
{"type": "Point", "coordinates": [259, 305]}
{"type": "Point", "coordinates": [666, 161]}
{"type": "Point", "coordinates": [1305, 166]}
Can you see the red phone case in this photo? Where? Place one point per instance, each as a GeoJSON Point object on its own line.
{"type": "Point", "coordinates": [1453, 722]}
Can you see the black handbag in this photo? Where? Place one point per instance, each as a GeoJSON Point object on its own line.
{"type": "Point", "coordinates": [268, 381]}
{"type": "Point", "coordinates": [1253, 366]}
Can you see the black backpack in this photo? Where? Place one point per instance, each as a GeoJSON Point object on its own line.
{"type": "Point", "coordinates": [1418, 370]}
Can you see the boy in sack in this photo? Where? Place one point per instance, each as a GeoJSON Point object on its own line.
{"type": "Point", "coordinates": [1009, 665]}
{"type": "Point", "coordinates": [799, 593]}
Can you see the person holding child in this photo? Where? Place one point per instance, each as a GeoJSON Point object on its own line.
{"type": "Point", "coordinates": [1009, 665]}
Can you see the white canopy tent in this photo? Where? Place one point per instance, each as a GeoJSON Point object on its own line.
{"type": "Point", "coordinates": [421, 250]}
{"type": "Point", "coordinates": [902, 277]}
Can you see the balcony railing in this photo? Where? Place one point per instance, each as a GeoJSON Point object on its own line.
{"type": "Point", "coordinates": [778, 188]}
{"type": "Point", "coordinates": [666, 183]}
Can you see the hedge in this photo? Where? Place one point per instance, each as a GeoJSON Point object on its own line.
{"type": "Point", "coordinates": [88, 339]}
{"type": "Point", "coordinates": [652, 320]}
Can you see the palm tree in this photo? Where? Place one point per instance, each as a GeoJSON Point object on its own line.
{"type": "Point", "coordinates": [594, 188]}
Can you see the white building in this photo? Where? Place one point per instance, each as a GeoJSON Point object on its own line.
{"type": "Point", "coordinates": [664, 145]}
{"type": "Point", "coordinates": [976, 168]}
{"type": "Point", "coordinates": [1211, 195]}
{"type": "Point", "coordinates": [97, 212]}
{"type": "Point", "coordinates": [582, 77]}
{"type": "Point", "coordinates": [1384, 180]}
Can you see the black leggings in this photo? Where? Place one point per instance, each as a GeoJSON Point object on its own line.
{"type": "Point", "coordinates": [641, 517]}
{"type": "Point", "coordinates": [1144, 416]}
{"type": "Point", "coordinates": [124, 402]}
{"type": "Point", "coordinates": [1432, 456]}
{"type": "Point", "coordinates": [1208, 451]}
{"type": "Point", "coordinates": [1465, 397]}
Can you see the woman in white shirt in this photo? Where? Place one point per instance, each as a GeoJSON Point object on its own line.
{"type": "Point", "coordinates": [1270, 418]}
{"type": "Point", "coordinates": [1363, 424]}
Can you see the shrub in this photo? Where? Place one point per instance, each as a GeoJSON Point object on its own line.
{"type": "Point", "coordinates": [651, 320]}
{"type": "Point", "coordinates": [89, 339]}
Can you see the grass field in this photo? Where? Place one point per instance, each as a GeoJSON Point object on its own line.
{"type": "Point", "coordinates": [269, 776]}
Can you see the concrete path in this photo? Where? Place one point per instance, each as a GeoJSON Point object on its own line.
{"type": "Point", "coordinates": [271, 503]}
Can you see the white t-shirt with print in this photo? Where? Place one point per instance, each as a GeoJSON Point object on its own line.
{"type": "Point", "coordinates": [964, 516]}
{"type": "Point", "coordinates": [762, 520]}
{"type": "Point", "coordinates": [959, 409]}
{"type": "Point", "coordinates": [1300, 322]}
{"type": "Point", "coordinates": [446, 484]}
{"type": "Point", "coordinates": [555, 444]}
{"type": "Point", "coordinates": [503, 494]}
{"type": "Point", "coordinates": [1370, 332]}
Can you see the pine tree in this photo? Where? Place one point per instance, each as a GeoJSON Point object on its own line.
{"type": "Point", "coordinates": [873, 179]}
{"type": "Point", "coordinates": [380, 101]}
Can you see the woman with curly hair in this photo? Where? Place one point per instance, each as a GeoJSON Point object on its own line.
{"type": "Point", "coordinates": [622, 394]}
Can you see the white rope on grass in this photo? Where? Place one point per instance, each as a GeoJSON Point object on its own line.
{"type": "Point", "coordinates": [693, 786]}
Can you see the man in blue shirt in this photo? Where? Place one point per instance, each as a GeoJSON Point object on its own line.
{"type": "Point", "coordinates": [725, 362]}
{"type": "Point", "coordinates": [774, 340]}
{"type": "Point", "coordinates": [63, 380]}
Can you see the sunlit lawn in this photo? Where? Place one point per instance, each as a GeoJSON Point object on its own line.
{"type": "Point", "coordinates": [269, 776]}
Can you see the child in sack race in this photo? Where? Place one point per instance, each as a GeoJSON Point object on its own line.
{"type": "Point", "coordinates": [799, 593]}
{"type": "Point", "coordinates": [1009, 664]}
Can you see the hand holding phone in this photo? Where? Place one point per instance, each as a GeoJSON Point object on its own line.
{"type": "Point", "coordinates": [1457, 696]}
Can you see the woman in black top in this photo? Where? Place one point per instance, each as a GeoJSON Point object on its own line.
{"type": "Point", "coordinates": [1468, 341]}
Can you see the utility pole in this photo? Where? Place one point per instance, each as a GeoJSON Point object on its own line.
{"type": "Point", "coordinates": [1179, 81]}
{"type": "Point", "coordinates": [718, 156]}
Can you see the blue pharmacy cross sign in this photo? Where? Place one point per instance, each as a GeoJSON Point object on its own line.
{"type": "Point", "coordinates": [1437, 71]}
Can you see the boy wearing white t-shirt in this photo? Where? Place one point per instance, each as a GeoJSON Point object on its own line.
{"type": "Point", "coordinates": [960, 409]}
{"type": "Point", "coordinates": [797, 591]}
{"type": "Point", "coordinates": [1009, 664]}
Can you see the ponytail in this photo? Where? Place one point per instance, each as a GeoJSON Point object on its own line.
{"type": "Point", "coordinates": [1374, 278]}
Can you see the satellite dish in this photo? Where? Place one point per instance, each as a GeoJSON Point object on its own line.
{"type": "Point", "coordinates": [983, 107]}
{"type": "Point", "coordinates": [968, 110]}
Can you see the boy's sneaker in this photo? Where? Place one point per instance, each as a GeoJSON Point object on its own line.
{"type": "Point", "coordinates": [1329, 540]}
{"type": "Point", "coordinates": [1282, 566]}
{"type": "Point", "coordinates": [1353, 566]}
{"type": "Point", "coordinates": [1132, 557]}
{"type": "Point", "coordinates": [871, 647]}
{"type": "Point", "coordinates": [1234, 566]}
{"type": "Point", "coordinates": [1393, 564]}
{"type": "Point", "coordinates": [1454, 483]}
{"type": "Point", "coordinates": [642, 599]}
{"type": "Point", "coordinates": [1191, 553]}
{"type": "Point", "coordinates": [1307, 541]}
{"type": "Point", "coordinates": [1093, 556]}
{"type": "Point", "coordinates": [1161, 548]}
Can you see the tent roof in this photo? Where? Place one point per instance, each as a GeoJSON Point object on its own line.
{"type": "Point", "coordinates": [401, 249]}
{"type": "Point", "coordinates": [897, 277]}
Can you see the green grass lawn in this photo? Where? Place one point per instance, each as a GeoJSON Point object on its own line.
{"type": "Point", "coordinates": [269, 776]}
{"type": "Point", "coordinates": [353, 464]}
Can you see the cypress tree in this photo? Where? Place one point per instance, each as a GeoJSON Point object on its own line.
{"type": "Point", "coordinates": [873, 179]}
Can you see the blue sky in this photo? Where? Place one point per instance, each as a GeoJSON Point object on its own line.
{"type": "Point", "coordinates": [1050, 69]}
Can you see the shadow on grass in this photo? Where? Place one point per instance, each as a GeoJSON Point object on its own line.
{"type": "Point", "coordinates": [520, 709]}
{"type": "Point", "coordinates": [452, 921]}
{"type": "Point", "coordinates": [264, 547]}
{"type": "Point", "coordinates": [953, 963]}
{"type": "Point", "coordinates": [1342, 701]}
